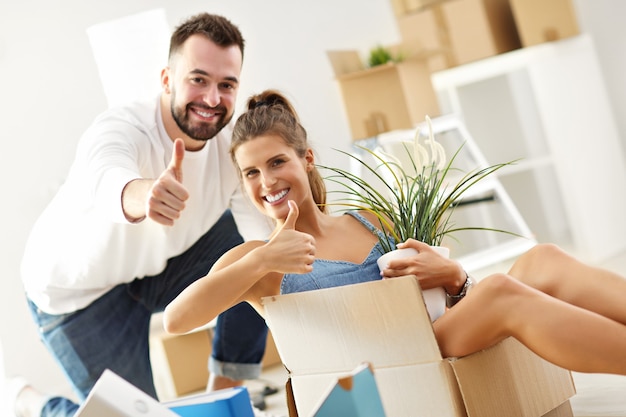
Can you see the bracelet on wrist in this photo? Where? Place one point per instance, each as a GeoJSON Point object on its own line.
{"type": "Point", "coordinates": [451, 300]}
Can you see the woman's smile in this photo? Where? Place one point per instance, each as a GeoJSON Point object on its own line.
{"type": "Point", "coordinates": [277, 197]}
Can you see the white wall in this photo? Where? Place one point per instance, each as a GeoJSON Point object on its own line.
{"type": "Point", "coordinates": [603, 19]}
{"type": "Point", "coordinates": [51, 91]}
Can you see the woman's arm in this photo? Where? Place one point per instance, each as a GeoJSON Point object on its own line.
{"type": "Point", "coordinates": [227, 284]}
{"type": "Point", "coordinates": [240, 275]}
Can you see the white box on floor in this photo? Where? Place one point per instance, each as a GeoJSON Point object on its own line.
{"type": "Point", "coordinates": [113, 396]}
{"type": "Point", "coordinates": [323, 334]}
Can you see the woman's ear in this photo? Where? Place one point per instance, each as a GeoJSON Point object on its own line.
{"type": "Point", "coordinates": [310, 159]}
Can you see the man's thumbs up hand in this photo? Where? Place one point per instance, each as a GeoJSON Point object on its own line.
{"type": "Point", "coordinates": [176, 164]}
{"type": "Point", "coordinates": [167, 196]}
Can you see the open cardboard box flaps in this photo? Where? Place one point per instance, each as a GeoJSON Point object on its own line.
{"type": "Point", "coordinates": [324, 334]}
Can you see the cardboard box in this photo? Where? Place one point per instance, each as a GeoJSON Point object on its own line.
{"type": "Point", "coordinates": [541, 21]}
{"type": "Point", "coordinates": [325, 333]}
{"type": "Point", "coordinates": [404, 7]}
{"type": "Point", "coordinates": [385, 97]}
{"type": "Point", "coordinates": [516, 380]}
{"type": "Point", "coordinates": [180, 362]}
{"type": "Point", "coordinates": [185, 358]}
{"type": "Point", "coordinates": [563, 410]}
{"type": "Point", "coordinates": [422, 30]}
{"type": "Point", "coordinates": [464, 30]}
{"type": "Point", "coordinates": [271, 356]}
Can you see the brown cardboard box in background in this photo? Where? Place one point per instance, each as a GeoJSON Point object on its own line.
{"type": "Point", "coordinates": [180, 362]}
{"type": "Point", "coordinates": [421, 30]}
{"type": "Point", "coordinates": [386, 97]}
{"type": "Point", "coordinates": [271, 356]}
{"type": "Point", "coordinates": [563, 410]}
{"type": "Point", "coordinates": [464, 30]}
{"type": "Point", "coordinates": [323, 334]}
{"type": "Point", "coordinates": [541, 21]}
{"type": "Point", "coordinates": [403, 7]}
{"type": "Point", "coordinates": [444, 34]}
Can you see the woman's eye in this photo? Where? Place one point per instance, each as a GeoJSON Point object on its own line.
{"type": "Point", "coordinates": [277, 162]}
{"type": "Point", "coordinates": [251, 173]}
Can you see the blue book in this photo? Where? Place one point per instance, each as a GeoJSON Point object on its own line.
{"type": "Point", "coordinates": [230, 402]}
{"type": "Point", "coordinates": [355, 395]}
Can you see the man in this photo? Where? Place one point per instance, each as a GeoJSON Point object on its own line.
{"type": "Point", "coordinates": [151, 201]}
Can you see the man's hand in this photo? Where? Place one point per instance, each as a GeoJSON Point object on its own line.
{"type": "Point", "coordinates": [167, 196]}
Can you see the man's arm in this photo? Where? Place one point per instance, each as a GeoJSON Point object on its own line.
{"type": "Point", "coordinates": [162, 199]}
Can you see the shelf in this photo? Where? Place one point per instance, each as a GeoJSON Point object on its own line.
{"type": "Point", "coordinates": [487, 204]}
{"type": "Point", "coordinates": [548, 105]}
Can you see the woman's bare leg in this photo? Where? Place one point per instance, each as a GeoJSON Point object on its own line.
{"type": "Point", "coordinates": [564, 334]}
{"type": "Point", "coordinates": [549, 269]}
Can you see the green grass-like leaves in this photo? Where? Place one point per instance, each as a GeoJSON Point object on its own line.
{"type": "Point", "coordinates": [411, 206]}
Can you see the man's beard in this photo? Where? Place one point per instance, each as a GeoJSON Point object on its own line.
{"type": "Point", "coordinates": [199, 131]}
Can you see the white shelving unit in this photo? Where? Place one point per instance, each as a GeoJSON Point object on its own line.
{"type": "Point", "coordinates": [488, 203]}
{"type": "Point", "coordinates": [548, 105]}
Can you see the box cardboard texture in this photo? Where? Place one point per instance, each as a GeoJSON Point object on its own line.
{"type": "Point", "coordinates": [186, 357]}
{"type": "Point", "coordinates": [385, 97]}
{"type": "Point", "coordinates": [463, 30]}
{"type": "Point", "coordinates": [183, 361]}
{"type": "Point", "coordinates": [403, 7]}
{"type": "Point", "coordinates": [563, 410]}
{"type": "Point", "coordinates": [322, 335]}
{"type": "Point", "coordinates": [541, 21]}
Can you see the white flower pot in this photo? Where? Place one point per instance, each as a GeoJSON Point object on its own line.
{"type": "Point", "coordinates": [435, 298]}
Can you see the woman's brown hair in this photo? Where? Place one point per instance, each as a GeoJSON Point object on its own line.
{"type": "Point", "coordinates": [271, 113]}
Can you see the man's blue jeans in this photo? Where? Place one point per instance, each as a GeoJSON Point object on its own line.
{"type": "Point", "coordinates": [113, 332]}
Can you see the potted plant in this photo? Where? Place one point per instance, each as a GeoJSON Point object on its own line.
{"type": "Point", "coordinates": [381, 55]}
{"type": "Point", "coordinates": [417, 199]}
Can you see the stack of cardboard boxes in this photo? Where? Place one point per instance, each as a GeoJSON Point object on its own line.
{"type": "Point", "coordinates": [436, 35]}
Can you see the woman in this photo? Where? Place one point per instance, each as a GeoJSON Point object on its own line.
{"type": "Point", "coordinates": [567, 312]}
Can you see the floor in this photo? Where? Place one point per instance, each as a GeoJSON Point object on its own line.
{"type": "Point", "coordinates": [598, 395]}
